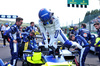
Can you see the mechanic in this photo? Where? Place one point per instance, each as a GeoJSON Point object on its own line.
{"type": "Point", "coordinates": [28, 42]}
{"type": "Point", "coordinates": [14, 35]}
{"type": "Point", "coordinates": [97, 44]}
{"type": "Point", "coordinates": [84, 51]}
{"type": "Point", "coordinates": [48, 22]}
{"type": "Point", "coordinates": [84, 32]}
{"type": "Point", "coordinates": [30, 38]}
{"type": "Point", "coordinates": [32, 27]}
{"type": "Point", "coordinates": [75, 30]}
{"type": "Point", "coordinates": [5, 37]}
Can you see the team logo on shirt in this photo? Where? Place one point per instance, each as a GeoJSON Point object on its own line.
{"type": "Point", "coordinates": [85, 34]}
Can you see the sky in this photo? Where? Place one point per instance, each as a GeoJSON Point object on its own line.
{"type": "Point", "coordinates": [28, 10]}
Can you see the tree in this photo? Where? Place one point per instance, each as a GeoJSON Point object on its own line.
{"type": "Point", "coordinates": [91, 15]}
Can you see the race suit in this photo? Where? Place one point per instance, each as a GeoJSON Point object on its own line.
{"type": "Point", "coordinates": [14, 34]}
{"type": "Point", "coordinates": [55, 33]}
{"type": "Point", "coordinates": [30, 28]}
{"type": "Point", "coordinates": [85, 33]}
{"type": "Point", "coordinates": [84, 51]}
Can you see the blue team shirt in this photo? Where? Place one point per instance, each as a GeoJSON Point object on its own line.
{"type": "Point", "coordinates": [79, 39]}
{"type": "Point", "coordinates": [85, 33]}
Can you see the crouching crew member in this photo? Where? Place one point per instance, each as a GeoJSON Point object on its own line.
{"type": "Point", "coordinates": [84, 51]}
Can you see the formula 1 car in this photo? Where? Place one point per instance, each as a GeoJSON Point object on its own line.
{"type": "Point", "coordinates": [49, 57]}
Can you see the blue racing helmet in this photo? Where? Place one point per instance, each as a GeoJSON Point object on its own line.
{"type": "Point", "coordinates": [44, 15]}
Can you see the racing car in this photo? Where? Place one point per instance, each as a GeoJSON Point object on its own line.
{"type": "Point", "coordinates": [44, 57]}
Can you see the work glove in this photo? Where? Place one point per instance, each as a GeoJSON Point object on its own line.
{"type": "Point", "coordinates": [54, 43]}
{"type": "Point", "coordinates": [76, 45]}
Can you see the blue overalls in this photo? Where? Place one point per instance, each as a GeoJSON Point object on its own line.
{"type": "Point", "coordinates": [84, 33]}
{"type": "Point", "coordinates": [14, 34]}
{"type": "Point", "coordinates": [29, 29]}
{"type": "Point", "coordinates": [84, 51]}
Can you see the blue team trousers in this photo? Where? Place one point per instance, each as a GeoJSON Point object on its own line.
{"type": "Point", "coordinates": [14, 53]}
{"type": "Point", "coordinates": [82, 55]}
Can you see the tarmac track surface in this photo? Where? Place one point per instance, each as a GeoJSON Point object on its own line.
{"type": "Point", "coordinates": [91, 59]}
